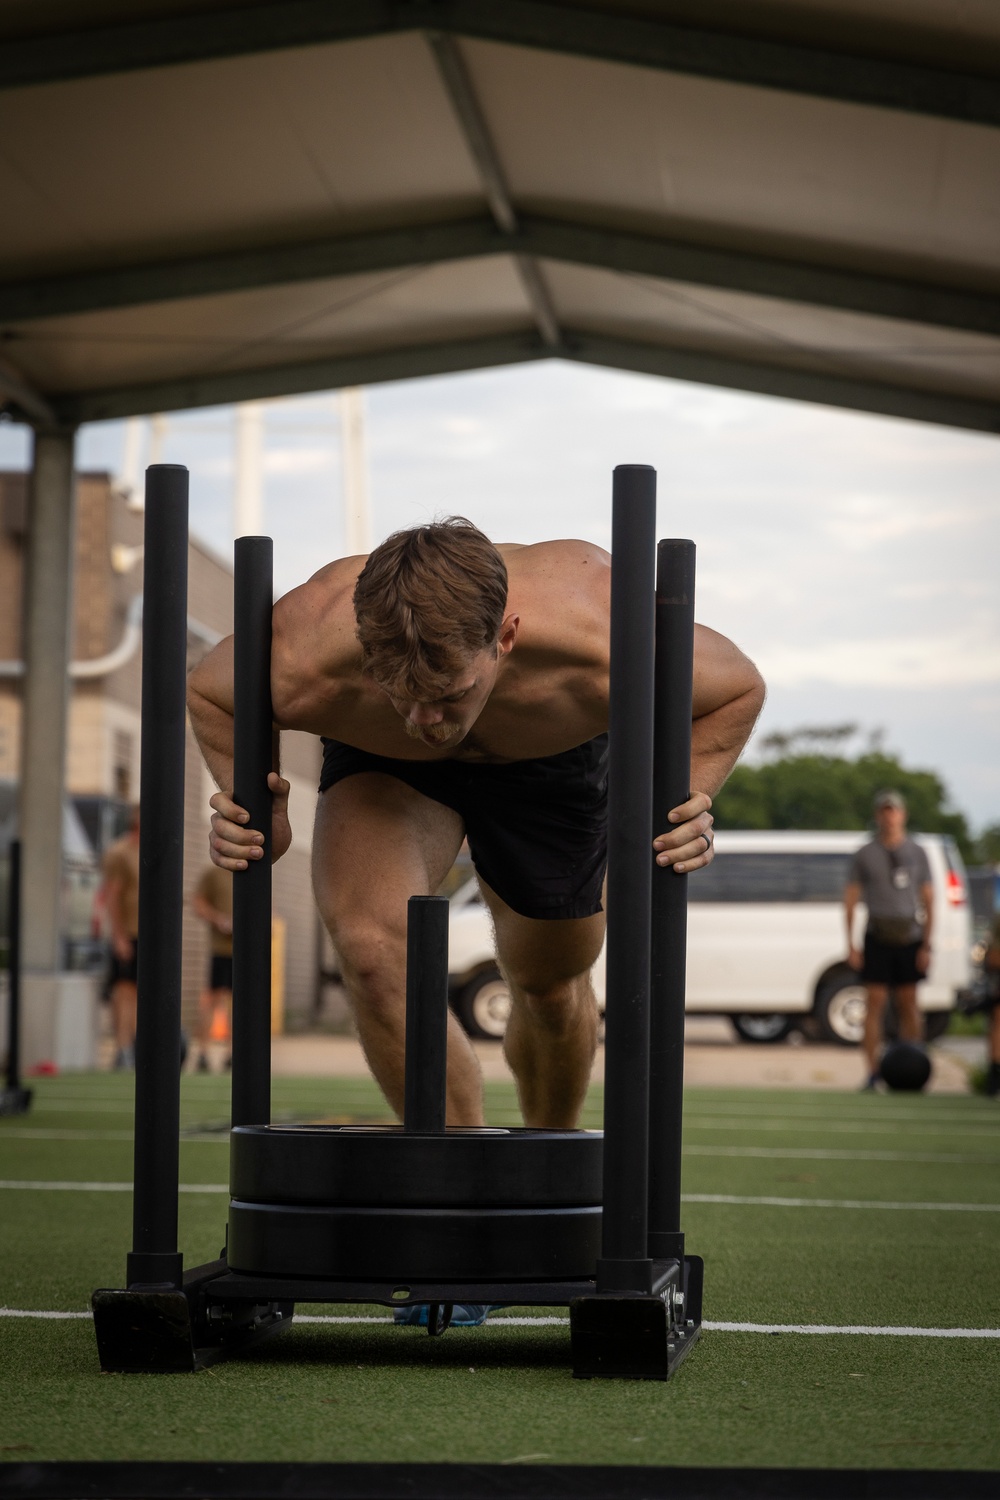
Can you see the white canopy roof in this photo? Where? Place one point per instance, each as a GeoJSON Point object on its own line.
{"type": "Point", "coordinates": [204, 203]}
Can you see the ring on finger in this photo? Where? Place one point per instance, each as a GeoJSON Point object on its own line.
{"type": "Point", "coordinates": [708, 842]}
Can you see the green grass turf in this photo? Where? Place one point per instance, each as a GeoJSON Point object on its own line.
{"type": "Point", "coordinates": [372, 1392]}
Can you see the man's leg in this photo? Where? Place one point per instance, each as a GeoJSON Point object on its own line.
{"type": "Point", "coordinates": [123, 1008]}
{"type": "Point", "coordinates": [552, 1032]}
{"type": "Point", "coordinates": [911, 1022]}
{"type": "Point", "coordinates": [376, 843]}
{"type": "Point", "coordinates": [993, 1064]}
{"type": "Point", "coordinates": [872, 1043]}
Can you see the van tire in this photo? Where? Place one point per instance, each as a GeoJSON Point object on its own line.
{"type": "Point", "coordinates": [764, 1029]}
{"type": "Point", "coordinates": [840, 1008]}
{"type": "Point", "coordinates": [483, 1005]}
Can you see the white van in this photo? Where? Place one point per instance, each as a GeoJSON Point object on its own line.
{"type": "Point", "coordinates": [766, 941]}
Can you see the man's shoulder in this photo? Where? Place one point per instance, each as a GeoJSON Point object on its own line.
{"type": "Point", "coordinates": [916, 852]}
{"type": "Point", "coordinates": [564, 554]}
{"type": "Point", "coordinates": [118, 856]}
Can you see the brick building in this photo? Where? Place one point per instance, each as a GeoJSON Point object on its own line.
{"type": "Point", "coordinates": [102, 763]}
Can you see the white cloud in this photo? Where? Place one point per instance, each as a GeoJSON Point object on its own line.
{"type": "Point", "coordinates": [908, 661]}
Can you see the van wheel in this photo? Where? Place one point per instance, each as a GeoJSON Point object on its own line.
{"type": "Point", "coordinates": [762, 1028]}
{"type": "Point", "coordinates": [840, 1009]}
{"type": "Point", "coordinates": [484, 1005]}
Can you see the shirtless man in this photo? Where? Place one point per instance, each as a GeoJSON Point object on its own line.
{"type": "Point", "coordinates": [463, 690]}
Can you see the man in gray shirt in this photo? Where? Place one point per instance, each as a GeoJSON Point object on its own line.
{"type": "Point", "coordinates": [892, 877]}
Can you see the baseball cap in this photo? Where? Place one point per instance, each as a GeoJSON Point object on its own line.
{"type": "Point", "coordinates": [888, 798]}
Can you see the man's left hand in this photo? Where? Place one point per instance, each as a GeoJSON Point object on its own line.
{"type": "Point", "coordinates": [689, 843]}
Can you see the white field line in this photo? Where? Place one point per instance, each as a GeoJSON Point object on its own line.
{"type": "Point", "coordinates": [731, 1198]}
{"type": "Point", "coordinates": [742, 1116]}
{"type": "Point", "coordinates": [106, 1187]}
{"type": "Point", "coordinates": [840, 1127]}
{"type": "Point", "coordinates": [726, 1199]}
{"type": "Point", "coordinates": [563, 1322]}
{"type": "Point", "coordinates": [832, 1153]}
{"type": "Point", "coordinates": [768, 1153]}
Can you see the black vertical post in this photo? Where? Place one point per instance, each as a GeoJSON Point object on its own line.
{"type": "Point", "coordinates": [671, 786]}
{"type": "Point", "coordinates": [154, 1258]}
{"type": "Point", "coordinates": [14, 969]}
{"type": "Point", "coordinates": [624, 1264]}
{"type": "Point", "coordinates": [253, 752]}
{"type": "Point", "coordinates": [426, 1014]}
{"type": "Point", "coordinates": [14, 1099]}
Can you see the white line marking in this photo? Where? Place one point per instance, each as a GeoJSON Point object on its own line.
{"type": "Point", "coordinates": [903, 1333]}
{"type": "Point", "coordinates": [107, 1187]}
{"type": "Point", "coordinates": [766, 1153]}
{"type": "Point", "coordinates": [820, 1153]}
{"type": "Point", "coordinates": [922, 1116]}
{"type": "Point", "coordinates": [67, 1135]}
{"type": "Point", "coordinates": [838, 1127]}
{"type": "Point", "coordinates": [730, 1198]}
{"type": "Point", "coordinates": [716, 1198]}
{"type": "Point", "coordinates": [20, 1312]}
{"type": "Point", "coordinates": [563, 1322]}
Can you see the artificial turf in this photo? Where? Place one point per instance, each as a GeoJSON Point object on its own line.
{"type": "Point", "coordinates": [503, 1394]}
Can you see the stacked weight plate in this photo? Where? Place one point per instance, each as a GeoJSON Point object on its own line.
{"type": "Point", "coordinates": [357, 1202]}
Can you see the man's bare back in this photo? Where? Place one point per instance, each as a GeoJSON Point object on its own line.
{"type": "Point", "coordinates": [550, 693]}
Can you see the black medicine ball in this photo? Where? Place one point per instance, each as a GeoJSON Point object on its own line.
{"type": "Point", "coordinates": [905, 1065]}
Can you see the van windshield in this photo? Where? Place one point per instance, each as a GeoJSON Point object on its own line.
{"type": "Point", "coordinates": [771, 877]}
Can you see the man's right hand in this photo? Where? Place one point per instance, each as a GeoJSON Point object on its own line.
{"type": "Point", "coordinates": [232, 844]}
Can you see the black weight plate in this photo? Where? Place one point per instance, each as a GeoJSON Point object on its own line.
{"type": "Point", "coordinates": [360, 1167]}
{"type": "Point", "coordinates": [414, 1244]}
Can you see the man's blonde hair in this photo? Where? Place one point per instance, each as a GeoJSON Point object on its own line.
{"type": "Point", "coordinates": [426, 600]}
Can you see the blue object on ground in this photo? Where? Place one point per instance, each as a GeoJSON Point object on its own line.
{"type": "Point", "coordinates": [463, 1314]}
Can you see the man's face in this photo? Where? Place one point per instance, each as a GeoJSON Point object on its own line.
{"type": "Point", "coordinates": [448, 719]}
{"type": "Point", "coordinates": [891, 820]}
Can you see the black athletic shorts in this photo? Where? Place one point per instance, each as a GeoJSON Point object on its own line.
{"type": "Point", "coordinates": [124, 970]}
{"type": "Point", "coordinates": [885, 963]}
{"type": "Point", "coordinates": [221, 973]}
{"type": "Point", "coordinates": [537, 829]}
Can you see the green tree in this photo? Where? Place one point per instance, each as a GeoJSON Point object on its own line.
{"type": "Point", "coordinates": [808, 789]}
{"type": "Point", "coordinates": [987, 847]}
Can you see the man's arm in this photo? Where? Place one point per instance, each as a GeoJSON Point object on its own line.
{"type": "Point", "coordinates": [210, 704]}
{"type": "Point", "coordinates": [852, 895]}
{"type": "Point", "coordinates": [924, 952]}
{"type": "Point", "coordinates": [121, 938]}
{"type": "Point", "coordinates": [728, 696]}
{"type": "Point", "coordinates": [204, 909]}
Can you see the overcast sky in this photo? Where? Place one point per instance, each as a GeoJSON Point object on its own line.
{"type": "Point", "coordinates": [855, 558]}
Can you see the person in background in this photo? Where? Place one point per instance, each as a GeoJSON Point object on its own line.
{"type": "Point", "coordinates": [891, 875]}
{"type": "Point", "coordinates": [121, 905]}
{"type": "Point", "coordinates": [213, 903]}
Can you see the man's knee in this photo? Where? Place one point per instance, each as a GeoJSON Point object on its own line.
{"type": "Point", "coordinates": [557, 1005]}
{"type": "Point", "coordinates": [373, 960]}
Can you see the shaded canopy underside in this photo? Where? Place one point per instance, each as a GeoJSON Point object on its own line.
{"type": "Point", "coordinates": [209, 203]}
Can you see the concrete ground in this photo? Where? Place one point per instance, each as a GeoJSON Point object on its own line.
{"type": "Point", "coordinates": [713, 1058]}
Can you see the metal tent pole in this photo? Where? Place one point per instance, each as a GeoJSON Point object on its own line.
{"type": "Point", "coordinates": [671, 786]}
{"type": "Point", "coordinates": [154, 1258]}
{"type": "Point", "coordinates": [253, 752]}
{"type": "Point", "coordinates": [426, 1014]}
{"type": "Point", "coordinates": [624, 1264]}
